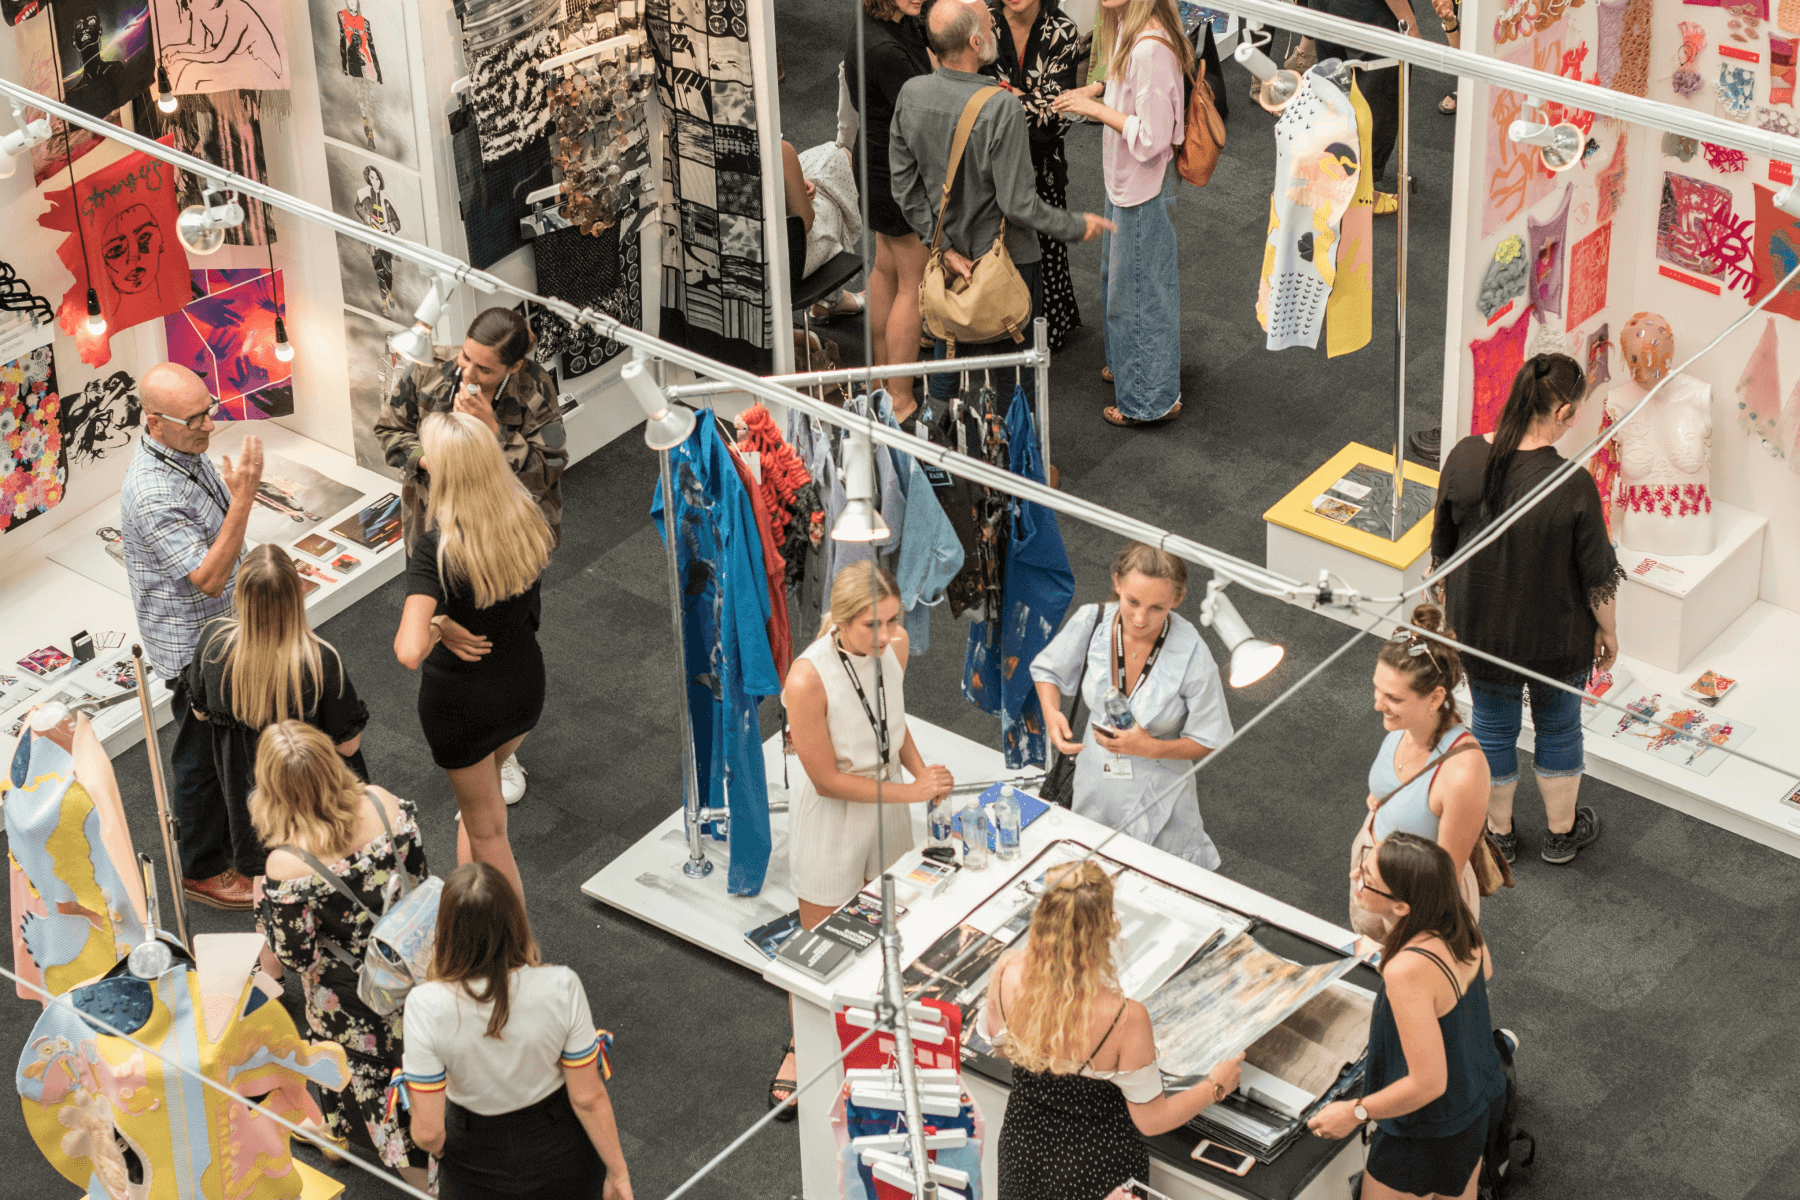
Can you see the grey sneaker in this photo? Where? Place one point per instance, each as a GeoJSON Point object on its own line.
{"type": "Point", "coordinates": [1508, 843]}
{"type": "Point", "coordinates": [1562, 847]}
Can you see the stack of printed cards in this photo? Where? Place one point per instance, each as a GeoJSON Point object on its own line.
{"type": "Point", "coordinates": [318, 545]}
{"type": "Point", "coordinates": [1710, 688]}
{"type": "Point", "coordinates": [1336, 503]}
{"type": "Point", "coordinates": [47, 662]}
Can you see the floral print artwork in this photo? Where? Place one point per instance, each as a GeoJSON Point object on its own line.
{"type": "Point", "coordinates": [32, 460]}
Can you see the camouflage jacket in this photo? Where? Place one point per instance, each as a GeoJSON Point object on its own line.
{"type": "Point", "coordinates": [531, 435]}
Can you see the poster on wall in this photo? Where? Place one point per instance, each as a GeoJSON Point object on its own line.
{"type": "Point", "coordinates": [1777, 252]}
{"type": "Point", "coordinates": [37, 71]}
{"type": "Point", "coordinates": [98, 419]}
{"type": "Point", "coordinates": [224, 128]}
{"type": "Point", "coordinates": [373, 376]}
{"type": "Point", "coordinates": [105, 52]}
{"type": "Point", "coordinates": [33, 465]}
{"type": "Point", "coordinates": [227, 337]}
{"type": "Point", "coordinates": [365, 94]}
{"type": "Point", "coordinates": [217, 45]}
{"type": "Point", "coordinates": [388, 200]}
{"type": "Point", "coordinates": [135, 264]}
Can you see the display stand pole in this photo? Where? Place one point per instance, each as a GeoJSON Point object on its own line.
{"type": "Point", "coordinates": [893, 996]}
{"type": "Point", "coordinates": [697, 865]}
{"type": "Point", "coordinates": [1405, 194]}
{"type": "Point", "coordinates": [1040, 334]}
{"type": "Point", "coordinates": [165, 817]}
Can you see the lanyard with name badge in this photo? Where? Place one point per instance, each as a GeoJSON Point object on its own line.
{"type": "Point", "coordinates": [1118, 766]}
{"type": "Point", "coordinates": [879, 726]}
{"type": "Point", "coordinates": [194, 478]}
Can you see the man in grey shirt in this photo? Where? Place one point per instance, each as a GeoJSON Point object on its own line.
{"type": "Point", "coordinates": [996, 177]}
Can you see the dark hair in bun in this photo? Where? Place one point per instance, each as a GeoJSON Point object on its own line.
{"type": "Point", "coordinates": [505, 332]}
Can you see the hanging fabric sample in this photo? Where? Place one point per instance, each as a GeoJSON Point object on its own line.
{"type": "Point", "coordinates": [1504, 279]}
{"type": "Point", "coordinates": [509, 92]}
{"type": "Point", "coordinates": [1759, 392]}
{"type": "Point", "coordinates": [1038, 587]}
{"type": "Point", "coordinates": [599, 272]}
{"type": "Point", "coordinates": [34, 465]}
{"type": "Point", "coordinates": [1686, 81]}
{"type": "Point", "coordinates": [215, 47]}
{"type": "Point", "coordinates": [727, 661]}
{"type": "Point", "coordinates": [1736, 92]}
{"type": "Point", "coordinates": [603, 140]}
{"type": "Point", "coordinates": [225, 129]}
{"type": "Point", "coordinates": [1777, 251]}
{"type": "Point", "coordinates": [1781, 71]}
{"type": "Point", "coordinates": [1496, 360]}
{"type": "Point", "coordinates": [1623, 63]}
{"type": "Point", "coordinates": [788, 488]}
{"type": "Point", "coordinates": [715, 293]}
{"type": "Point", "coordinates": [1349, 314]}
{"type": "Point", "coordinates": [1316, 168]}
{"type": "Point", "coordinates": [1599, 345]}
{"type": "Point", "coordinates": [1589, 261]}
{"type": "Point", "coordinates": [134, 262]}
{"type": "Point", "coordinates": [1514, 181]}
{"type": "Point", "coordinates": [105, 52]}
{"type": "Point", "coordinates": [1609, 184]}
{"type": "Point", "coordinates": [781, 638]}
{"type": "Point", "coordinates": [227, 337]}
{"type": "Point", "coordinates": [930, 555]}
{"type": "Point", "coordinates": [491, 196]}
{"type": "Point", "coordinates": [1544, 253]}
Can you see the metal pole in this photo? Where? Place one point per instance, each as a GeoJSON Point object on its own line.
{"type": "Point", "coordinates": [166, 821]}
{"type": "Point", "coordinates": [697, 865]}
{"type": "Point", "coordinates": [893, 996]}
{"type": "Point", "coordinates": [1040, 335]}
{"type": "Point", "coordinates": [1405, 182]}
{"type": "Point", "coordinates": [800, 379]}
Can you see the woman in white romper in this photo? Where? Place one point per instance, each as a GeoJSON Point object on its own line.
{"type": "Point", "coordinates": [1128, 780]}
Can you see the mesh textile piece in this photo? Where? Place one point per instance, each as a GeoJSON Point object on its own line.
{"type": "Point", "coordinates": [588, 271]}
{"type": "Point", "coordinates": [1759, 392]}
{"type": "Point", "coordinates": [1496, 361]}
{"type": "Point", "coordinates": [1588, 262]}
{"type": "Point", "coordinates": [1624, 59]}
{"type": "Point", "coordinates": [1544, 253]}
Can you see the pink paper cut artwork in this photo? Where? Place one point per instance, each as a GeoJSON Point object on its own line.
{"type": "Point", "coordinates": [1724, 159]}
{"type": "Point", "coordinates": [227, 337]}
{"type": "Point", "coordinates": [1781, 71]}
{"type": "Point", "coordinates": [1515, 181]}
{"type": "Point", "coordinates": [1544, 253]}
{"type": "Point", "coordinates": [1497, 360]}
{"type": "Point", "coordinates": [1759, 392]}
{"type": "Point", "coordinates": [1588, 262]}
{"type": "Point", "coordinates": [1610, 183]}
{"type": "Point", "coordinates": [1681, 236]}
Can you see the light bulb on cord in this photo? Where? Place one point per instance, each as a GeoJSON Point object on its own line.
{"type": "Point", "coordinates": [1279, 85]}
{"type": "Point", "coordinates": [1251, 657]}
{"type": "Point", "coordinates": [96, 323]}
{"type": "Point", "coordinates": [165, 93]}
{"type": "Point", "coordinates": [666, 424]}
{"type": "Point", "coordinates": [859, 522]}
{"type": "Point", "coordinates": [284, 349]}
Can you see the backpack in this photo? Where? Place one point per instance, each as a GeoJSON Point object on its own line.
{"type": "Point", "coordinates": [400, 945]}
{"type": "Point", "coordinates": [1500, 1172]}
{"type": "Point", "coordinates": [1203, 137]}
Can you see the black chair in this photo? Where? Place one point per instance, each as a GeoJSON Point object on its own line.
{"type": "Point", "coordinates": [828, 280]}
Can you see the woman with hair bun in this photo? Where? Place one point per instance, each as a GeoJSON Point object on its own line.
{"type": "Point", "coordinates": [1085, 1084]}
{"type": "Point", "coordinates": [1421, 783]}
{"type": "Point", "coordinates": [1539, 596]}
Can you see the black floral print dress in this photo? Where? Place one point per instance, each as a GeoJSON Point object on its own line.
{"type": "Point", "coordinates": [1043, 71]}
{"type": "Point", "coordinates": [295, 914]}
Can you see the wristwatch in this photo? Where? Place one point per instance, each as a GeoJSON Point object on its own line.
{"type": "Point", "coordinates": [1362, 1114]}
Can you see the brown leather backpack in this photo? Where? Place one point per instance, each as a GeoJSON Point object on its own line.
{"type": "Point", "coordinates": [1204, 136]}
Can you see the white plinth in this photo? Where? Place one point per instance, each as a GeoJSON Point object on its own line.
{"type": "Point", "coordinates": [1673, 606]}
{"type": "Point", "coordinates": [1301, 557]}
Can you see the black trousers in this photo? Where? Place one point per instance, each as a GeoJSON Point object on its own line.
{"type": "Point", "coordinates": [1380, 88]}
{"type": "Point", "coordinates": [535, 1153]}
{"type": "Point", "coordinates": [196, 795]}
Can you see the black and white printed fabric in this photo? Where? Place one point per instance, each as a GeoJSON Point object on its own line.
{"type": "Point", "coordinates": [601, 271]}
{"type": "Point", "coordinates": [715, 296]}
{"type": "Point", "coordinates": [492, 195]}
{"type": "Point", "coordinates": [511, 107]}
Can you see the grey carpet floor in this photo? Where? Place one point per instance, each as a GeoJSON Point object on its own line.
{"type": "Point", "coordinates": [1652, 981]}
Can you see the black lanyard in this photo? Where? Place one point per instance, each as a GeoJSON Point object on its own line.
{"type": "Point", "coordinates": [1119, 653]}
{"type": "Point", "coordinates": [224, 507]}
{"type": "Point", "coordinates": [879, 726]}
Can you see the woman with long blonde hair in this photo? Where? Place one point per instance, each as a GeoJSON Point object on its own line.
{"type": "Point", "coordinates": [260, 665]}
{"type": "Point", "coordinates": [1144, 110]}
{"type": "Point", "coordinates": [307, 803]}
{"type": "Point", "coordinates": [478, 564]}
{"type": "Point", "coordinates": [1085, 1082]}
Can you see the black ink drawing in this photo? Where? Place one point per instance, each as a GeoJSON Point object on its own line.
{"type": "Point", "coordinates": [217, 45]}
{"type": "Point", "coordinates": [16, 296]}
{"type": "Point", "coordinates": [97, 419]}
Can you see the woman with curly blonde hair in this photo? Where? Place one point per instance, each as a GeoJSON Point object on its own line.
{"type": "Point", "coordinates": [1085, 1081]}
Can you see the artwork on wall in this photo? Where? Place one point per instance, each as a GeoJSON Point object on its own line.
{"type": "Point", "coordinates": [1736, 91]}
{"type": "Point", "coordinates": [227, 337]}
{"type": "Point", "coordinates": [135, 264]}
{"type": "Point", "coordinates": [1527, 18]}
{"type": "Point", "coordinates": [386, 199]}
{"type": "Point", "coordinates": [1589, 260]}
{"type": "Point", "coordinates": [1724, 159]}
{"type": "Point", "coordinates": [34, 467]}
{"type": "Point", "coordinates": [1781, 71]}
{"type": "Point", "coordinates": [1776, 121]}
{"type": "Point", "coordinates": [224, 128]}
{"type": "Point", "coordinates": [1599, 351]}
{"type": "Point", "coordinates": [1515, 181]}
{"type": "Point", "coordinates": [1776, 253]}
{"type": "Point", "coordinates": [1609, 184]}
{"type": "Point", "coordinates": [1686, 80]}
{"type": "Point", "coordinates": [14, 12]}
{"type": "Point", "coordinates": [1623, 61]}
{"type": "Point", "coordinates": [217, 45]}
{"type": "Point", "coordinates": [374, 373]}
{"type": "Point", "coordinates": [1683, 222]}
{"type": "Point", "coordinates": [512, 108]}
{"type": "Point", "coordinates": [37, 71]}
{"type": "Point", "coordinates": [104, 48]}
{"type": "Point", "coordinates": [1497, 360]}
{"type": "Point", "coordinates": [98, 419]}
{"type": "Point", "coordinates": [365, 92]}
{"type": "Point", "coordinates": [16, 296]}
{"type": "Point", "coordinates": [1759, 392]}
{"type": "Point", "coordinates": [1544, 251]}
{"type": "Point", "coordinates": [1504, 279]}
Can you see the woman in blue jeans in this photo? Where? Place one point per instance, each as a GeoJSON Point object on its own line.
{"type": "Point", "coordinates": [1143, 111]}
{"type": "Point", "coordinates": [1540, 596]}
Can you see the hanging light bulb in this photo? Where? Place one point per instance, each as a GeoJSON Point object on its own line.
{"type": "Point", "coordinates": [859, 522]}
{"type": "Point", "coordinates": [1251, 657]}
{"type": "Point", "coordinates": [1559, 146]}
{"type": "Point", "coordinates": [1279, 85]}
{"type": "Point", "coordinates": [201, 227]}
{"type": "Point", "coordinates": [27, 135]}
{"type": "Point", "coordinates": [666, 424]}
{"type": "Point", "coordinates": [96, 323]}
{"type": "Point", "coordinates": [284, 349]}
{"type": "Point", "coordinates": [165, 93]}
{"type": "Point", "coordinates": [415, 344]}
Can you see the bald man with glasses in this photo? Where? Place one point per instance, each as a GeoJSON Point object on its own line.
{"type": "Point", "coordinates": [184, 525]}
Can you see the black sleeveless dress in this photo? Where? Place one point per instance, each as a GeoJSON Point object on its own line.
{"type": "Point", "coordinates": [1068, 1137]}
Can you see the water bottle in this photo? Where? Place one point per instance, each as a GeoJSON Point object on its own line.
{"type": "Point", "coordinates": [939, 831]}
{"type": "Point", "coordinates": [1118, 709]}
{"type": "Point", "coordinates": [1006, 824]}
{"type": "Point", "coordinates": [975, 835]}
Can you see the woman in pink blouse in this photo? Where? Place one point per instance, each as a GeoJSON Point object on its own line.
{"type": "Point", "coordinates": [1142, 110]}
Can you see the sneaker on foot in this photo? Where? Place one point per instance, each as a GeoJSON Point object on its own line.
{"type": "Point", "coordinates": [512, 780]}
{"type": "Point", "coordinates": [1562, 847]}
{"type": "Point", "coordinates": [1508, 843]}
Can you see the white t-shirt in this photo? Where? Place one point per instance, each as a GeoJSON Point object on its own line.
{"type": "Point", "coordinates": [548, 1027]}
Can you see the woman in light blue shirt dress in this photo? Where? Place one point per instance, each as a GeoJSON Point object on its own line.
{"type": "Point", "coordinates": [1128, 781]}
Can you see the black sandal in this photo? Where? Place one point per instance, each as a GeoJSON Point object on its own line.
{"type": "Point", "coordinates": [781, 1089]}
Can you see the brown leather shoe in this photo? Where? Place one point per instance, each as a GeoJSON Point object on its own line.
{"type": "Point", "coordinates": [227, 890]}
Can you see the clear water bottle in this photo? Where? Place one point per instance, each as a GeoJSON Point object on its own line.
{"type": "Point", "coordinates": [1118, 709]}
{"type": "Point", "coordinates": [939, 831]}
{"type": "Point", "coordinates": [975, 835]}
{"type": "Point", "coordinates": [1006, 824]}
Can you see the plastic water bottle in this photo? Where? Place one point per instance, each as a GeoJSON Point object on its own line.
{"type": "Point", "coordinates": [975, 835]}
{"type": "Point", "coordinates": [1118, 709]}
{"type": "Point", "coordinates": [939, 830]}
{"type": "Point", "coordinates": [1006, 824]}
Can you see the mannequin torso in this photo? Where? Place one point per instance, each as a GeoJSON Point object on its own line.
{"type": "Point", "coordinates": [1665, 468]}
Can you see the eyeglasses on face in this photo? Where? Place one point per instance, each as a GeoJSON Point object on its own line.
{"type": "Point", "coordinates": [1357, 880]}
{"type": "Point", "coordinates": [197, 421]}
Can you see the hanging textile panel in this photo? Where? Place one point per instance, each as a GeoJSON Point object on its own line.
{"type": "Point", "coordinates": [33, 465]}
{"type": "Point", "coordinates": [227, 337]}
{"type": "Point", "coordinates": [603, 271]}
{"type": "Point", "coordinates": [225, 129]}
{"type": "Point", "coordinates": [1777, 252]}
{"type": "Point", "coordinates": [1316, 171]}
{"type": "Point", "coordinates": [1349, 314]}
{"type": "Point", "coordinates": [215, 47]}
{"type": "Point", "coordinates": [1496, 361]}
{"type": "Point", "coordinates": [1544, 249]}
{"type": "Point", "coordinates": [104, 49]}
{"type": "Point", "coordinates": [715, 287]}
{"type": "Point", "coordinates": [37, 71]}
{"type": "Point", "coordinates": [491, 196]}
{"type": "Point", "coordinates": [1589, 261]}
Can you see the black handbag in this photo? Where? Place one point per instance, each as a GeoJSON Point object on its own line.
{"type": "Point", "coordinates": [1059, 781]}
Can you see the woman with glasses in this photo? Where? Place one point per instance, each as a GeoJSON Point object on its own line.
{"type": "Point", "coordinates": [1434, 1078]}
{"type": "Point", "coordinates": [1427, 780]}
{"type": "Point", "coordinates": [1539, 596]}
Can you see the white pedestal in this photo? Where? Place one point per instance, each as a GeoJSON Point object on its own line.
{"type": "Point", "coordinates": [1672, 607]}
{"type": "Point", "coordinates": [1301, 557]}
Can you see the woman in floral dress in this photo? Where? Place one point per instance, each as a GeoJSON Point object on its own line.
{"type": "Point", "coordinates": [306, 798]}
{"type": "Point", "coordinates": [1040, 49]}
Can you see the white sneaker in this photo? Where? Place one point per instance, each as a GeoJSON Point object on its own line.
{"type": "Point", "coordinates": [512, 780]}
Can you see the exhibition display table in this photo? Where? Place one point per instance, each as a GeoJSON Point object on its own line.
{"type": "Point", "coordinates": [648, 882]}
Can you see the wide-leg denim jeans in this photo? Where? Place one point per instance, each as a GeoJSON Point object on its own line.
{"type": "Point", "coordinates": [1142, 286]}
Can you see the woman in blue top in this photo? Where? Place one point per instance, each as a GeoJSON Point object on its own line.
{"type": "Point", "coordinates": [1434, 1080]}
{"type": "Point", "coordinates": [1126, 778]}
{"type": "Point", "coordinates": [1445, 802]}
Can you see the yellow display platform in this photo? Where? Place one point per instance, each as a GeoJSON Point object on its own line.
{"type": "Point", "coordinates": [1294, 510]}
{"type": "Point", "coordinates": [314, 1185]}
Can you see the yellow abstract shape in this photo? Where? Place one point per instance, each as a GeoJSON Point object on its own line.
{"type": "Point", "coordinates": [1349, 312]}
{"type": "Point", "coordinates": [1268, 268]}
{"type": "Point", "coordinates": [1510, 248]}
{"type": "Point", "coordinates": [70, 850]}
